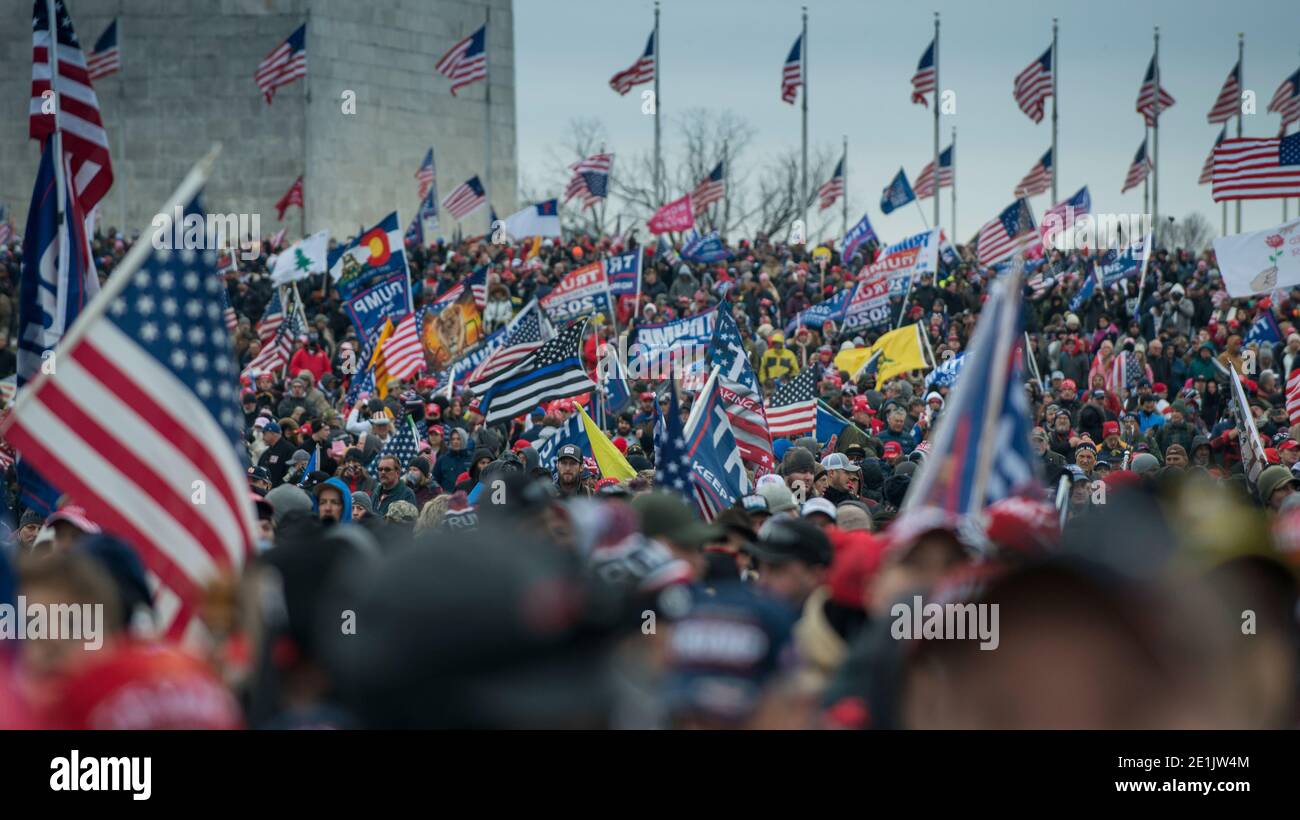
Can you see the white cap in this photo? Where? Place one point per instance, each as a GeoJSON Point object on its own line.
{"type": "Point", "coordinates": [819, 505]}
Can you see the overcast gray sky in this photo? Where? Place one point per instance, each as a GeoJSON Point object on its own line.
{"type": "Point", "coordinates": [727, 54]}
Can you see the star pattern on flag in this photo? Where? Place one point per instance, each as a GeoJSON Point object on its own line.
{"type": "Point", "coordinates": [206, 361]}
{"type": "Point", "coordinates": [800, 389]}
{"type": "Point", "coordinates": [402, 445]}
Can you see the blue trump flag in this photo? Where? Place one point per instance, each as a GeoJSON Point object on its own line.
{"type": "Point", "coordinates": [981, 452]}
{"type": "Point", "coordinates": [57, 282]}
{"type": "Point", "coordinates": [897, 194]}
{"type": "Point", "coordinates": [859, 235]}
{"type": "Point", "coordinates": [1264, 330]}
{"type": "Point", "coordinates": [829, 423]}
{"type": "Point", "coordinates": [705, 248]}
{"type": "Point", "coordinates": [832, 309]}
{"type": "Point", "coordinates": [717, 471]}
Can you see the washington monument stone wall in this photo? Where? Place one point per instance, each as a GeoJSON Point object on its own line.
{"type": "Point", "coordinates": [187, 81]}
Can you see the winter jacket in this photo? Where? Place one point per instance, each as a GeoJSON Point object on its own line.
{"type": "Point", "coordinates": [449, 465]}
{"type": "Point", "coordinates": [345, 515]}
{"type": "Point", "coordinates": [382, 498]}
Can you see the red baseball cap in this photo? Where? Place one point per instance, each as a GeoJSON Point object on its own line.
{"type": "Point", "coordinates": [1271, 456]}
{"type": "Point", "coordinates": [1069, 384]}
{"type": "Point", "coordinates": [1289, 444]}
{"type": "Point", "coordinates": [1023, 525]}
{"type": "Point", "coordinates": [1109, 428]}
{"type": "Point", "coordinates": [521, 444]}
{"type": "Point", "coordinates": [893, 449]}
{"type": "Point", "coordinates": [862, 405]}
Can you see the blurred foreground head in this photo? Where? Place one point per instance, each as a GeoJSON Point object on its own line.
{"type": "Point", "coordinates": [489, 628]}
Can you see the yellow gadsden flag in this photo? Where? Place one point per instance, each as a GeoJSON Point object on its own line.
{"type": "Point", "coordinates": [900, 351]}
{"type": "Point", "coordinates": [608, 458]}
{"type": "Point", "coordinates": [377, 366]}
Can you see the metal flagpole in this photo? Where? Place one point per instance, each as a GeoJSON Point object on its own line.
{"type": "Point", "coordinates": [1056, 158]}
{"type": "Point", "coordinates": [1241, 83]}
{"type": "Point", "coordinates": [121, 135]}
{"type": "Point", "coordinates": [953, 148]}
{"type": "Point", "coordinates": [726, 190]}
{"type": "Point", "coordinates": [803, 73]}
{"type": "Point", "coordinates": [1155, 147]}
{"type": "Point", "coordinates": [936, 117]}
{"type": "Point", "coordinates": [922, 211]}
{"type": "Point", "coordinates": [57, 143]}
{"type": "Point", "coordinates": [487, 112]}
{"type": "Point", "coordinates": [659, 166]}
{"type": "Point", "coordinates": [844, 201]}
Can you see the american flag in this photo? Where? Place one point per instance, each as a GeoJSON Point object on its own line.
{"type": "Point", "coordinates": [642, 71]}
{"type": "Point", "coordinates": [1293, 396]}
{"type": "Point", "coordinates": [426, 175]}
{"type": "Point", "coordinates": [1228, 104]}
{"type": "Point", "coordinates": [793, 407]}
{"type": "Point", "coordinates": [293, 196]}
{"type": "Point", "coordinates": [477, 282]}
{"type": "Point", "coordinates": [466, 62]}
{"type": "Point", "coordinates": [85, 144]}
{"type": "Point", "coordinates": [923, 81]}
{"type": "Point", "coordinates": [272, 317]}
{"type": "Point", "coordinates": [1039, 178]}
{"type": "Point", "coordinates": [288, 62]}
{"type": "Point", "coordinates": [590, 179]}
{"type": "Point", "coordinates": [105, 59]}
{"type": "Point", "coordinates": [1138, 171]}
{"type": "Point", "coordinates": [1207, 170]}
{"type": "Point", "coordinates": [833, 188]}
{"type": "Point", "coordinates": [925, 180]}
{"type": "Point", "coordinates": [6, 230]}
{"type": "Point", "coordinates": [672, 459]}
{"type": "Point", "coordinates": [1151, 102]}
{"type": "Point", "coordinates": [1257, 168]}
{"type": "Point", "coordinates": [710, 190]}
{"type": "Point", "coordinates": [525, 333]}
{"type": "Point", "coordinates": [792, 72]}
{"type": "Point", "coordinates": [1034, 86]}
{"type": "Point", "coordinates": [467, 198]}
{"type": "Point", "coordinates": [1125, 373]}
{"type": "Point", "coordinates": [157, 368]}
{"type": "Point", "coordinates": [275, 354]}
{"type": "Point", "coordinates": [227, 312]}
{"type": "Point", "coordinates": [741, 397]}
{"type": "Point", "coordinates": [1061, 217]}
{"type": "Point", "coordinates": [1286, 100]}
{"type": "Point", "coordinates": [999, 238]}
{"type": "Point", "coordinates": [402, 445]}
{"type": "Point", "coordinates": [403, 353]}
{"type": "Point", "coordinates": [553, 371]}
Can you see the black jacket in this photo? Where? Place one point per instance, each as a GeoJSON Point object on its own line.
{"type": "Point", "coordinates": [276, 460]}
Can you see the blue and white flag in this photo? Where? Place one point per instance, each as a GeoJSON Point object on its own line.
{"type": "Point", "coordinates": [541, 219]}
{"type": "Point", "coordinates": [829, 423]}
{"type": "Point", "coordinates": [623, 272]}
{"type": "Point", "coordinates": [706, 248]}
{"type": "Point", "coordinates": [1116, 265]}
{"type": "Point", "coordinates": [945, 375]}
{"type": "Point", "coordinates": [1085, 293]}
{"type": "Point", "coordinates": [717, 469]}
{"type": "Point", "coordinates": [897, 194]}
{"type": "Point", "coordinates": [981, 452]}
{"type": "Point", "coordinates": [858, 235]}
{"type": "Point", "coordinates": [677, 349]}
{"type": "Point", "coordinates": [58, 280]}
{"type": "Point", "coordinates": [389, 298]}
{"type": "Point", "coordinates": [1264, 330]}
{"type": "Point", "coordinates": [830, 310]}
{"type": "Point", "coordinates": [571, 432]}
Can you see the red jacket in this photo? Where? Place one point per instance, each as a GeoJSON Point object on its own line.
{"type": "Point", "coordinates": [318, 363]}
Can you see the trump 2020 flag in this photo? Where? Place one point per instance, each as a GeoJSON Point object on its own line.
{"type": "Point", "coordinates": [542, 219]}
{"type": "Point", "coordinates": [717, 471]}
{"type": "Point", "coordinates": [141, 420]}
{"type": "Point", "coordinates": [302, 259]}
{"type": "Point", "coordinates": [858, 235]}
{"type": "Point", "coordinates": [980, 451]}
{"type": "Point", "coordinates": [375, 255]}
{"type": "Point", "coordinates": [897, 194]}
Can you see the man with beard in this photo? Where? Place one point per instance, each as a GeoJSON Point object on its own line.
{"type": "Point", "coordinates": [277, 454]}
{"type": "Point", "coordinates": [568, 472]}
{"type": "Point", "coordinates": [839, 471]}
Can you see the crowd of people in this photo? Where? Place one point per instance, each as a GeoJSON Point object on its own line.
{"type": "Point", "coordinates": [1159, 591]}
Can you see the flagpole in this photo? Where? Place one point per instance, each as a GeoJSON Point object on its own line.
{"type": "Point", "coordinates": [1056, 159]}
{"type": "Point", "coordinates": [726, 189]}
{"type": "Point", "coordinates": [921, 211]}
{"type": "Point", "coordinates": [844, 201]}
{"type": "Point", "coordinates": [1155, 144]}
{"type": "Point", "coordinates": [803, 73]}
{"type": "Point", "coordinates": [306, 119]}
{"type": "Point", "coordinates": [1241, 84]}
{"type": "Point", "coordinates": [121, 135]}
{"type": "Point", "coordinates": [487, 113]}
{"type": "Point", "coordinates": [953, 148]}
{"type": "Point", "coordinates": [57, 143]}
{"type": "Point", "coordinates": [937, 89]}
{"type": "Point", "coordinates": [659, 167]}
{"type": "Point", "coordinates": [698, 406]}
{"type": "Point", "coordinates": [1146, 179]}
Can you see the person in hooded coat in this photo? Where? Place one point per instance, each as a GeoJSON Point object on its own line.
{"type": "Point", "coordinates": [332, 501]}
